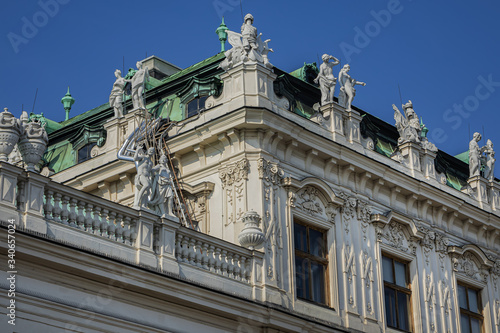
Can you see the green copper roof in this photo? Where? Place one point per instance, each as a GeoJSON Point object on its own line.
{"type": "Point", "coordinates": [50, 125]}
{"type": "Point", "coordinates": [194, 67]}
{"type": "Point", "coordinates": [60, 156]}
{"type": "Point", "coordinates": [464, 157]}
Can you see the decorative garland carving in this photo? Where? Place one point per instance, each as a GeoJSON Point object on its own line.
{"type": "Point", "coordinates": [395, 236]}
{"type": "Point", "coordinates": [467, 265]}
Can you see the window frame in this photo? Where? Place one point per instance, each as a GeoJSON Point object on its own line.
{"type": "Point", "coordinates": [324, 261]}
{"type": "Point", "coordinates": [89, 146]}
{"type": "Point", "coordinates": [397, 288]}
{"type": "Point", "coordinates": [199, 107]}
{"type": "Point", "coordinates": [467, 312]}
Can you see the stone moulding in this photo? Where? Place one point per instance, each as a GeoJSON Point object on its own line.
{"type": "Point", "coordinates": [471, 261]}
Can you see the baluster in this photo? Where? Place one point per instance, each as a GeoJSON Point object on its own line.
{"type": "Point", "coordinates": [243, 272]}
{"type": "Point", "coordinates": [192, 251]}
{"type": "Point", "coordinates": [237, 270]}
{"type": "Point", "coordinates": [56, 211]}
{"type": "Point", "coordinates": [198, 255]}
{"type": "Point", "coordinates": [126, 230]}
{"type": "Point", "coordinates": [88, 217]}
{"type": "Point", "coordinates": [96, 224]}
{"type": "Point", "coordinates": [218, 261]}
{"type": "Point", "coordinates": [205, 257]}
{"type": "Point", "coordinates": [80, 217]}
{"type": "Point", "coordinates": [223, 266]}
{"type": "Point", "coordinates": [230, 266]}
{"type": "Point", "coordinates": [64, 210]}
{"type": "Point", "coordinates": [119, 228]}
{"type": "Point", "coordinates": [185, 249]}
{"type": "Point", "coordinates": [103, 227]}
{"type": "Point", "coordinates": [211, 259]}
{"type": "Point", "coordinates": [111, 225]}
{"type": "Point", "coordinates": [178, 247]}
{"type": "Point", "coordinates": [48, 207]}
{"type": "Point", "coordinates": [72, 212]}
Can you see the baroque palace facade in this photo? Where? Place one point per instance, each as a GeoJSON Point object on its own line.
{"type": "Point", "coordinates": [275, 213]}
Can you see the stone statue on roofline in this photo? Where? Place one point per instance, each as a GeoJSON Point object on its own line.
{"type": "Point", "coordinates": [138, 81]}
{"type": "Point", "coordinates": [347, 91]}
{"type": "Point", "coordinates": [475, 155]}
{"type": "Point", "coordinates": [409, 127]}
{"type": "Point", "coordinates": [116, 96]}
{"type": "Point", "coordinates": [247, 46]}
{"type": "Point", "coordinates": [488, 161]}
{"type": "Point", "coordinates": [326, 79]}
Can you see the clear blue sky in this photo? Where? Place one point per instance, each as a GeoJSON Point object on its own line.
{"type": "Point", "coordinates": [444, 56]}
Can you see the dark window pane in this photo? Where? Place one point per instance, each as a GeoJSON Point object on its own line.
{"type": "Point", "coordinates": [462, 297]}
{"type": "Point", "coordinates": [192, 108]}
{"type": "Point", "coordinates": [84, 152]}
{"type": "Point", "coordinates": [300, 237]}
{"type": "Point", "coordinates": [464, 323]}
{"type": "Point", "coordinates": [316, 243]}
{"type": "Point", "coordinates": [318, 282]}
{"type": "Point", "coordinates": [473, 306]}
{"type": "Point", "coordinates": [300, 277]}
{"type": "Point", "coordinates": [475, 325]}
{"type": "Point", "coordinates": [390, 307]}
{"type": "Point", "coordinates": [201, 103]}
{"type": "Point", "coordinates": [400, 269]}
{"type": "Point", "coordinates": [403, 311]}
{"type": "Point", "coordinates": [387, 267]}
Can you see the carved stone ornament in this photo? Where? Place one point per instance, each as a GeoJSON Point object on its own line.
{"type": "Point", "coordinates": [251, 236]}
{"type": "Point", "coordinates": [10, 131]}
{"type": "Point", "coordinates": [234, 172]}
{"type": "Point", "coordinates": [308, 201]}
{"type": "Point", "coordinates": [270, 172]}
{"type": "Point", "coordinates": [395, 236]}
{"type": "Point", "coordinates": [467, 264]}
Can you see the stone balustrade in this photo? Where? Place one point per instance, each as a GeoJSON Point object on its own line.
{"type": "Point", "coordinates": [70, 216]}
{"type": "Point", "coordinates": [214, 255]}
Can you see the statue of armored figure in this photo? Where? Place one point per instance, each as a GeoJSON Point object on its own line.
{"type": "Point", "coordinates": [409, 127]}
{"type": "Point", "coordinates": [326, 79]}
{"type": "Point", "coordinates": [247, 46]}
{"type": "Point", "coordinates": [347, 91]}
{"type": "Point", "coordinates": [116, 96]}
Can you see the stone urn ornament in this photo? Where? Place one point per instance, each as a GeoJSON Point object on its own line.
{"type": "Point", "coordinates": [33, 142]}
{"type": "Point", "coordinates": [251, 236]}
{"type": "Point", "coordinates": [10, 131]}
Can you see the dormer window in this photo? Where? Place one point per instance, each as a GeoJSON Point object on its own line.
{"type": "Point", "coordinates": [194, 107]}
{"type": "Point", "coordinates": [84, 152]}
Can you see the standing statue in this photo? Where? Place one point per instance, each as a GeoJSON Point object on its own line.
{"type": "Point", "coordinates": [347, 91]}
{"type": "Point", "coordinates": [475, 155]}
{"type": "Point", "coordinates": [326, 79]}
{"type": "Point", "coordinates": [248, 34]}
{"type": "Point", "coordinates": [162, 196]}
{"type": "Point", "coordinates": [139, 79]}
{"type": "Point", "coordinates": [144, 166]}
{"type": "Point", "coordinates": [489, 161]}
{"type": "Point", "coordinates": [246, 46]}
{"type": "Point", "coordinates": [116, 96]}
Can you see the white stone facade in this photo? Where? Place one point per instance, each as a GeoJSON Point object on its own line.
{"type": "Point", "coordinates": [89, 263]}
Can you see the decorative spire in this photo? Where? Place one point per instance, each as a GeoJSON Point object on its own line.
{"type": "Point", "coordinates": [221, 32]}
{"type": "Point", "coordinates": [424, 131]}
{"type": "Point", "coordinates": [67, 102]}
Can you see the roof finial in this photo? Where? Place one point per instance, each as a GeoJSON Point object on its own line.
{"type": "Point", "coordinates": [221, 32]}
{"type": "Point", "coordinates": [67, 102]}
